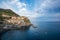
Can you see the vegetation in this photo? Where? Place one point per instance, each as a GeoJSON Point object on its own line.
{"type": "Point", "coordinates": [7, 12]}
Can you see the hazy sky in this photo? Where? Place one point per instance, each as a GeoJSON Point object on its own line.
{"type": "Point", "coordinates": [42, 9]}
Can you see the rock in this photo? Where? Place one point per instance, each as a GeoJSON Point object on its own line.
{"type": "Point", "coordinates": [12, 20]}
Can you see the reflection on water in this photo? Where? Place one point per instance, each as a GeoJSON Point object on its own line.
{"type": "Point", "coordinates": [44, 31]}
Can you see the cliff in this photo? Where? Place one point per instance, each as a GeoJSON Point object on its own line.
{"type": "Point", "coordinates": [10, 19]}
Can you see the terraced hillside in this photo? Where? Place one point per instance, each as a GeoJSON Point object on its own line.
{"type": "Point", "coordinates": [7, 12]}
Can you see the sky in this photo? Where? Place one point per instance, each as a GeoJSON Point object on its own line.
{"type": "Point", "coordinates": [45, 10]}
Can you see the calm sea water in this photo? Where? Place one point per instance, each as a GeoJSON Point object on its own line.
{"type": "Point", "coordinates": [44, 31]}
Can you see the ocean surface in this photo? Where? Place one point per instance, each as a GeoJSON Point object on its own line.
{"type": "Point", "coordinates": [44, 31]}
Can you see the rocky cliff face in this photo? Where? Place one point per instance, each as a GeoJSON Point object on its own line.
{"type": "Point", "coordinates": [10, 19]}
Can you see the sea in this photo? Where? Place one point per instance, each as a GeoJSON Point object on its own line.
{"type": "Point", "coordinates": [45, 30]}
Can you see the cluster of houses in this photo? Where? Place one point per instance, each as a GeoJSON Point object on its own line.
{"type": "Point", "coordinates": [10, 22]}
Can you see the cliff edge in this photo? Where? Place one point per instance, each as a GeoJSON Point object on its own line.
{"type": "Point", "coordinates": [9, 19]}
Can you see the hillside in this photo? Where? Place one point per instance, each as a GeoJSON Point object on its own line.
{"type": "Point", "coordinates": [9, 18]}
{"type": "Point", "coordinates": [7, 12]}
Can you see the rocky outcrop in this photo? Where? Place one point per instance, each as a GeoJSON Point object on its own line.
{"type": "Point", "coordinates": [9, 19]}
